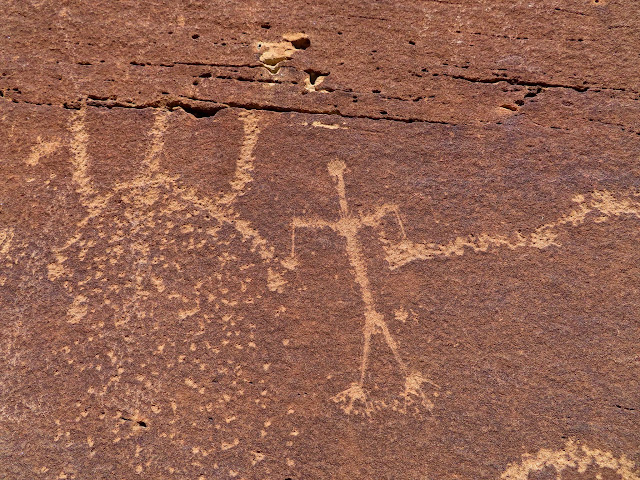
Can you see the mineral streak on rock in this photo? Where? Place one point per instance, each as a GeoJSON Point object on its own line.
{"type": "Point", "coordinates": [327, 240]}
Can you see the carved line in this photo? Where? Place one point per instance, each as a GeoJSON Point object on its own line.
{"type": "Point", "coordinates": [601, 201]}
{"type": "Point", "coordinates": [41, 149]}
{"type": "Point", "coordinates": [574, 456]}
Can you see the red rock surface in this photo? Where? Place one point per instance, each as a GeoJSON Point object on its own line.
{"type": "Point", "coordinates": [327, 240]}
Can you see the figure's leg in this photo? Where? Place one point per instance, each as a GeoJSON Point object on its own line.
{"type": "Point", "coordinates": [412, 380]}
{"type": "Point", "coordinates": [397, 213]}
{"type": "Point", "coordinates": [355, 398]}
{"type": "Point", "coordinates": [293, 240]}
{"type": "Point", "coordinates": [384, 329]}
{"type": "Point", "coordinates": [365, 353]}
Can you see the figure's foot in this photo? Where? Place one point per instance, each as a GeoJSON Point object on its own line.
{"type": "Point", "coordinates": [354, 400]}
{"type": "Point", "coordinates": [414, 394]}
{"type": "Point", "coordinates": [289, 262]}
{"type": "Point", "coordinates": [413, 400]}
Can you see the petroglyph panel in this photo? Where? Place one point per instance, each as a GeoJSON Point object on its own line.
{"type": "Point", "coordinates": [287, 242]}
{"type": "Point", "coordinates": [202, 300]}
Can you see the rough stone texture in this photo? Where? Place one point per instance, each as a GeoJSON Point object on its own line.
{"type": "Point", "coordinates": [320, 240]}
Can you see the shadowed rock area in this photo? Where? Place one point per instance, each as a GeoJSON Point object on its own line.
{"type": "Point", "coordinates": [326, 240]}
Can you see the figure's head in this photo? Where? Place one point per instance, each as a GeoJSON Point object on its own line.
{"type": "Point", "coordinates": [336, 167]}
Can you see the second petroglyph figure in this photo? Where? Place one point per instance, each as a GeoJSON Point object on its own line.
{"type": "Point", "coordinates": [355, 398]}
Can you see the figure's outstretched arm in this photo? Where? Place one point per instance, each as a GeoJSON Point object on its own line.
{"type": "Point", "coordinates": [307, 222]}
{"type": "Point", "coordinates": [374, 219]}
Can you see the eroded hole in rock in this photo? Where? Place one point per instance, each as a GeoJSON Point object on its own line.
{"type": "Point", "coordinates": [198, 110]}
{"type": "Point", "coordinates": [314, 75]}
{"type": "Point", "coordinates": [273, 61]}
{"type": "Point", "coordinates": [301, 43]}
{"type": "Point", "coordinates": [314, 80]}
{"type": "Point", "coordinates": [142, 424]}
{"type": "Point", "coordinates": [531, 94]}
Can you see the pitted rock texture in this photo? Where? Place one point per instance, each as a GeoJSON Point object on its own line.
{"type": "Point", "coordinates": [361, 240]}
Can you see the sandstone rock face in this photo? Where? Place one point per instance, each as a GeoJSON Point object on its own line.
{"type": "Point", "coordinates": [326, 240]}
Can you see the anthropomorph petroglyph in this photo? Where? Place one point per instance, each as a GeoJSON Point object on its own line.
{"type": "Point", "coordinates": [599, 206]}
{"type": "Point", "coordinates": [573, 457]}
{"type": "Point", "coordinates": [119, 250]}
{"type": "Point", "coordinates": [355, 399]}
{"type": "Point", "coordinates": [153, 196]}
{"type": "Point", "coordinates": [155, 269]}
{"type": "Point", "coordinates": [143, 190]}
